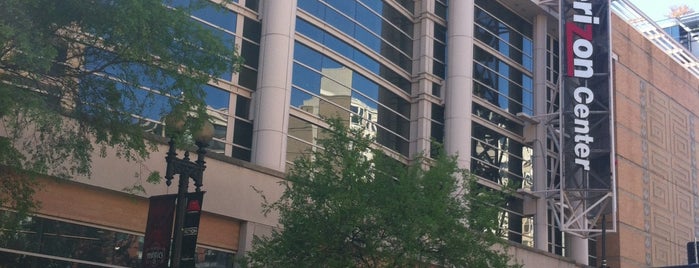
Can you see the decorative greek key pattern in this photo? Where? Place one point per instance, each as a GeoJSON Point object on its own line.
{"type": "Point", "coordinates": [646, 174]}
{"type": "Point", "coordinates": [670, 202]}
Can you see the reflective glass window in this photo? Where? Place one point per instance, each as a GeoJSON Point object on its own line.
{"type": "Point", "coordinates": [439, 51]}
{"type": "Point", "coordinates": [324, 87]}
{"type": "Point", "coordinates": [242, 107]}
{"type": "Point", "coordinates": [501, 84]}
{"type": "Point", "coordinates": [497, 157]}
{"type": "Point", "coordinates": [214, 18]}
{"type": "Point", "coordinates": [137, 89]}
{"type": "Point", "coordinates": [252, 29]}
{"type": "Point", "coordinates": [498, 119]}
{"type": "Point", "coordinates": [252, 4]}
{"type": "Point", "coordinates": [217, 104]}
{"type": "Point", "coordinates": [348, 51]}
{"type": "Point", "coordinates": [251, 53]}
{"type": "Point", "coordinates": [375, 24]}
{"type": "Point", "coordinates": [209, 12]}
{"type": "Point", "coordinates": [407, 4]}
{"type": "Point", "coordinates": [436, 127]}
{"type": "Point", "coordinates": [247, 78]}
{"type": "Point", "coordinates": [504, 38]}
{"type": "Point", "coordinates": [242, 136]}
{"type": "Point", "coordinates": [300, 138]}
{"type": "Point", "coordinates": [440, 9]}
{"type": "Point", "coordinates": [504, 14]}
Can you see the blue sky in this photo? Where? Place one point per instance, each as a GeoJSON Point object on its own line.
{"type": "Point", "coordinates": [657, 9]}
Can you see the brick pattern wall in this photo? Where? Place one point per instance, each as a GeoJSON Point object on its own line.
{"type": "Point", "coordinates": [656, 110]}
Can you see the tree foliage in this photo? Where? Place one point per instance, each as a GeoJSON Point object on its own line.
{"type": "Point", "coordinates": [74, 74]}
{"type": "Point", "coordinates": [350, 205]}
{"type": "Point", "coordinates": [679, 11]}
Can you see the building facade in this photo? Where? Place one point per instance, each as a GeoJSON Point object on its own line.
{"type": "Point", "coordinates": [470, 74]}
{"type": "Point", "coordinates": [656, 154]}
{"type": "Point", "coordinates": [685, 30]}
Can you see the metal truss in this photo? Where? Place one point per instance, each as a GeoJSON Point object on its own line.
{"type": "Point", "coordinates": [577, 207]}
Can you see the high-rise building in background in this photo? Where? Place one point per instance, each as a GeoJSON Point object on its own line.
{"type": "Point", "coordinates": [481, 77]}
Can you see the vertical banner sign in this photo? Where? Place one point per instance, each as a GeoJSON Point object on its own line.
{"type": "Point", "coordinates": [156, 244]}
{"type": "Point", "coordinates": [190, 230]}
{"type": "Point", "coordinates": [586, 103]}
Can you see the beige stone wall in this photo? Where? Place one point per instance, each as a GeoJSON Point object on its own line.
{"type": "Point", "coordinates": [656, 124]}
{"type": "Point", "coordinates": [84, 204]}
{"type": "Point", "coordinates": [530, 257]}
{"type": "Point", "coordinates": [231, 198]}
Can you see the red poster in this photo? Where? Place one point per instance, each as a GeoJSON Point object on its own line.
{"type": "Point", "coordinates": [156, 245]}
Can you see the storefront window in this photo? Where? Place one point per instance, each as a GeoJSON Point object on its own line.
{"type": "Point", "coordinates": [43, 242]}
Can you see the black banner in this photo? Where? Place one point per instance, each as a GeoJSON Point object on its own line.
{"type": "Point", "coordinates": [190, 230]}
{"type": "Point", "coordinates": [156, 244]}
{"type": "Point", "coordinates": [586, 100]}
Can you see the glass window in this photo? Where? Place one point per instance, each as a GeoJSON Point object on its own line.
{"type": "Point", "coordinates": [436, 127]}
{"type": "Point", "coordinates": [440, 9]}
{"type": "Point", "coordinates": [375, 24]}
{"type": "Point", "coordinates": [337, 91]}
{"type": "Point", "coordinates": [356, 55]}
{"type": "Point", "coordinates": [241, 153]}
{"type": "Point", "coordinates": [301, 138]}
{"type": "Point", "coordinates": [505, 39]}
{"type": "Point", "coordinates": [240, 136]}
{"type": "Point", "coordinates": [436, 89]}
{"type": "Point", "coordinates": [407, 4]}
{"type": "Point", "coordinates": [217, 102]}
{"type": "Point", "coordinates": [513, 20]}
{"type": "Point", "coordinates": [215, 18]}
{"type": "Point", "coordinates": [209, 12]}
{"type": "Point", "coordinates": [133, 89]}
{"type": "Point", "coordinates": [439, 51]}
{"type": "Point", "coordinates": [252, 29]}
{"type": "Point", "coordinates": [242, 107]}
{"type": "Point", "coordinates": [67, 244]}
{"type": "Point", "coordinates": [247, 78]}
{"type": "Point", "coordinates": [501, 84]}
{"type": "Point", "coordinates": [498, 119]}
{"type": "Point", "coordinates": [251, 53]}
{"type": "Point", "coordinates": [498, 158]}
{"type": "Point", "coordinates": [252, 4]}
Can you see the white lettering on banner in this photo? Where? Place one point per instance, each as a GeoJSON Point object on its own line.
{"type": "Point", "coordinates": [579, 52]}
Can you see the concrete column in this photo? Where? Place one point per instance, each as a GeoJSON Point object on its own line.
{"type": "Point", "coordinates": [578, 249]}
{"type": "Point", "coordinates": [459, 82]}
{"type": "Point", "coordinates": [539, 146]}
{"type": "Point", "coordinates": [420, 123]}
{"type": "Point", "coordinates": [271, 99]}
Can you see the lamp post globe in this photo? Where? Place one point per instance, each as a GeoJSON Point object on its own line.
{"type": "Point", "coordinates": [205, 134]}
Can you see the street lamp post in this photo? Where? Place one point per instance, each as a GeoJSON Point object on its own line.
{"type": "Point", "coordinates": [186, 169]}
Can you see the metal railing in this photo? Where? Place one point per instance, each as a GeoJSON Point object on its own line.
{"type": "Point", "coordinates": [651, 30]}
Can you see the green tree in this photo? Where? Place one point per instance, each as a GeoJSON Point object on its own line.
{"type": "Point", "coordinates": [350, 205]}
{"type": "Point", "coordinates": [75, 75]}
